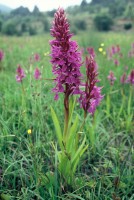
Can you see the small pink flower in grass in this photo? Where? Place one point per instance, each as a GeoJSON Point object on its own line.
{"type": "Point", "coordinates": [117, 48]}
{"type": "Point", "coordinates": [113, 49]}
{"type": "Point", "coordinates": [20, 74]}
{"type": "Point", "coordinates": [37, 74]}
{"type": "Point", "coordinates": [123, 78]}
{"type": "Point", "coordinates": [36, 57]}
{"type": "Point", "coordinates": [111, 77]}
{"type": "Point", "coordinates": [130, 78]}
{"type": "Point", "coordinates": [91, 97]}
{"type": "Point", "coordinates": [1, 55]}
{"type": "Point", "coordinates": [65, 57]}
{"type": "Point", "coordinates": [116, 62]}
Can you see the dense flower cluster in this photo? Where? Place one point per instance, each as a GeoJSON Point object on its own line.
{"type": "Point", "coordinates": [20, 74]}
{"type": "Point", "coordinates": [91, 97]}
{"type": "Point", "coordinates": [1, 55]}
{"type": "Point", "coordinates": [66, 59]}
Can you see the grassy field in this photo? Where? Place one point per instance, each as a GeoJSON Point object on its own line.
{"type": "Point", "coordinates": [28, 143]}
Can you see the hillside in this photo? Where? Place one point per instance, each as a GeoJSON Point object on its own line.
{"type": "Point", "coordinates": [115, 16]}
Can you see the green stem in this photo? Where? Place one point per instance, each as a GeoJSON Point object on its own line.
{"type": "Point", "coordinates": [66, 115]}
{"type": "Point", "coordinates": [83, 123]}
{"type": "Point", "coordinates": [129, 101]}
{"type": "Point", "coordinates": [24, 102]}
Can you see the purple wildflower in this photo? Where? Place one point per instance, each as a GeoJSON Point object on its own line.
{"type": "Point", "coordinates": [66, 59]}
{"type": "Point", "coordinates": [123, 78]}
{"type": "Point", "coordinates": [20, 74]}
{"type": "Point", "coordinates": [113, 49]}
{"type": "Point", "coordinates": [91, 97]}
{"type": "Point", "coordinates": [37, 74]}
{"type": "Point", "coordinates": [111, 77]}
{"type": "Point", "coordinates": [1, 55]}
{"type": "Point", "coordinates": [36, 57]}
{"type": "Point", "coordinates": [117, 48]}
{"type": "Point", "coordinates": [130, 78]}
{"type": "Point", "coordinates": [116, 62]}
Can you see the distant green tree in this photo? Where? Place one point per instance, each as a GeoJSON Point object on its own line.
{"type": "Point", "coordinates": [32, 31]}
{"type": "Point", "coordinates": [20, 11]}
{"type": "Point", "coordinates": [36, 11]}
{"type": "Point", "coordinates": [103, 2]}
{"type": "Point", "coordinates": [0, 25]}
{"type": "Point", "coordinates": [117, 9]}
{"type": "Point", "coordinates": [127, 26]}
{"type": "Point", "coordinates": [46, 25]}
{"type": "Point", "coordinates": [129, 11]}
{"type": "Point", "coordinates": [103, 22]}
{"type": "Point", "coordinates": [51, 13]}
{"type": "Point", "coordinates": [83, 4]}
{"type": "Point", "coordinates": [9, 28]}
{"type": "Point", "coordinates": [23, 27]}
{"type": "Point", "coordinates": [80, 24]}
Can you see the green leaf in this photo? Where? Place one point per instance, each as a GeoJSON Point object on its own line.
{"type": "Point", "coordinates": [90, 133]}
{"type": "Point", "coordinates": [129, 103]}
{"type": "Point", "coordinates": [75, 196]}
{"type": "Point", "coordinates": [57, 128]}
{"type": "Point", "coordinates": [108, 105]}
{"type": "Point", "coordinates": [47, 179]}
{"type": "Point", "coordinates": [78, 154]}
{"type": "Point", "coordinates": [78, 159]}
{"type": "Point", "coordinates": [91, 183]}
{"type": "Point", "coordinates": [71, 108]}
{"type": "Point", "coordinates": [72, 133]}
{"type": "Point", "coordinates": [64, 165]}
{"type": "Point", "coordinates": [122, 106]}
{"type": "Point", "coordinates": [5, 197]}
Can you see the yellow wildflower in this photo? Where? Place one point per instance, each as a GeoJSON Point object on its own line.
{"type": "Point", "coordinates": [29, 131]}
{"type": "Point", "coordinates": [100, 49]}
{"type": "Point", "coordinates": [102, 44]}
{"type": "Point", "coordinates": [46, 54]}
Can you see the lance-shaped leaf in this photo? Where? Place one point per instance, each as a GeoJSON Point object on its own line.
{"type": "Point", "coordinates": [78, 154]}
{"type": "Point", "coordinates": [72, 134]}
{"type": "Point", "coordinates": [57, 128]}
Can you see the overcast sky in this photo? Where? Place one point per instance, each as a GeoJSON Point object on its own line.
{"type": "Point", "coordinates": [43, 5]}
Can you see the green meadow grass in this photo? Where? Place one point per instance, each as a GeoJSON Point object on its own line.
{"type": "Point", "coordinates": [28, 162]}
